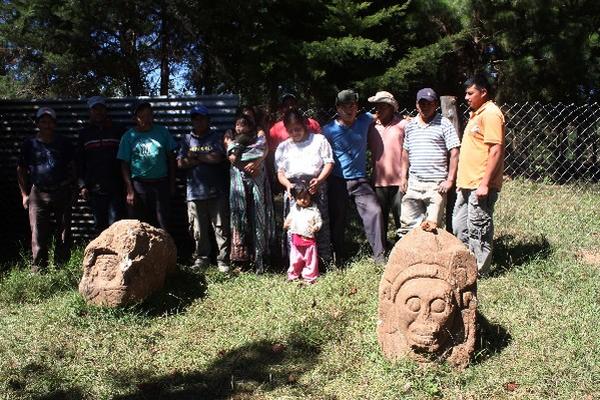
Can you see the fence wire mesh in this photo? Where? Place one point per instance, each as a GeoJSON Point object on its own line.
{"type": "Point", "coordinates": [551, 192]}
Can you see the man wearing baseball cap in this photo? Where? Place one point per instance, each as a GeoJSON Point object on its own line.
{"type": "Point", "coordinates": [99, 171]}
{"type": "Point", "coordinates": [427, 175]}
{"type": "Point", "coordinates": [386, 137]}
{"type": "Point", "coordinates": [202, 154]}
{"type": "Point", "coordinates": [46, 176]}
{"type": "Point", "coordinates": [347, 135]}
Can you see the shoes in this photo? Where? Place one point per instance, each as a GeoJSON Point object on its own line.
{"type": "Point", "coordinates": [224, 268]}
{"type": "Point", "coordinates": [200, 263]}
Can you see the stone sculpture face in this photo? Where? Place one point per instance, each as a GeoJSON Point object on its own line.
{"type": "Point", "coordinates": [126, 263]}
{"type": "Point", "coordinates": [425, 314]}
{"type": "Point", "coordinates": [427, 299]}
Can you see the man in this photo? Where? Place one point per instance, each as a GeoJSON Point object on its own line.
{"type": "Point", "coordinates": [148, 168]}
{"type": "Point", "coordinates": [479, 172]}
{"type": "Point", "coordinates": [202, 154]}
{"type": "Point", "coordinates": [386, 137]}
{"type": "Point", "coordinates": [46, 176]}
{"type": "Point", "coordinates": [99, 171]}
{"type": "Point", "coordinates": [347, 135]}
{"type": "Point", "coordinates": [428, 139]}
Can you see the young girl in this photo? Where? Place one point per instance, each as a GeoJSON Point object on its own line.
{"type": "Point", "coordinates": [306, 157]}
{"type": "Point", "coordinates": [250, 200]}
{"type": "Point", "coordinates": [303, 222]}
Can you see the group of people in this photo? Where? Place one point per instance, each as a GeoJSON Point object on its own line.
{"type": "Point", "coordinates": [231, 178]}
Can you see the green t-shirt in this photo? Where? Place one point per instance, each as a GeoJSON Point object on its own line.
{"type": "Point", "coordinates": [147, 152]}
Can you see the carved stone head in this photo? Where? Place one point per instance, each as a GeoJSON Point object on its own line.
{"type": "Point", "coordinates": [126, 263]}
{"type": "Point", "coordinates": [427, 299]}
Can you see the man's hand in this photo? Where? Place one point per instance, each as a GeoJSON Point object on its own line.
{"type": "Point", "coordinates": [403, 185]}
{"type": "Point", "coordinates": [84, 193]}
{"type": "Point", "coordinates": [313, 185]}
{"type": "Point", "coordinates": [25, 202]}
{"type": "Point", "coordinates": [482, 192]}
{"type": "Point", "coordinates": [445, 186]}
{"type": "Point", "coordinates": [130, 198]}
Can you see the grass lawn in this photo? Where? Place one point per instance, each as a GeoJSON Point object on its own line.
{"type": "Point", "coordinates": [243, 337]}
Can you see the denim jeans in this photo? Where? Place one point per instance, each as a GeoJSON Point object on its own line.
{"type": "Point", "coordinates": [473, 224]}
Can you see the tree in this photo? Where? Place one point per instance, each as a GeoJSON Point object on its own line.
{"type": "Point", "coordinates": [547, 50]}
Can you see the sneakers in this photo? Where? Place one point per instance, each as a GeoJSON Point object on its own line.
{"type": "Point", "coordinates": [200, 263]}
{"type": "Point", "coordinates": [222, 267]}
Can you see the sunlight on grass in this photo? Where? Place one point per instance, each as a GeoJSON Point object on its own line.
{"type": "Point", "coordinates": [259, 337]}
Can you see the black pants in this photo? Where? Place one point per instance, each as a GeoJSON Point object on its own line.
{"type": "Point", "coordinates": [152, 203]}
{"type": "Point", "coordinates": [42, 206]}
{"type": "Point", "coordinates": [361, 192]}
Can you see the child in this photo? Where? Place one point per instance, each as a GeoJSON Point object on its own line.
{"type": "Point", "coordinates": [303, 221]}
{"type": "Point", "coordinates": [244, 144]}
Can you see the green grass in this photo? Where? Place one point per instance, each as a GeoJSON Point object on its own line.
{"type": "Point", "coordinates": [243, 337]}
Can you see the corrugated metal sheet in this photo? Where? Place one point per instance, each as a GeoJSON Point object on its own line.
{"type": "Point", "coordinates": [17, 120]}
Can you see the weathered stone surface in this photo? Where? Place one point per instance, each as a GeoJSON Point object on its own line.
{"type": "Point", "coordinates": [428, 299]}
{"type": "Point", "coordinates": [126, 263]}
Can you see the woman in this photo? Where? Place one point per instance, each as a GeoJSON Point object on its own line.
{"type": "Point", "coordinates": [306, 158]}
{"type": "Point", "coordinates": [250, 200]}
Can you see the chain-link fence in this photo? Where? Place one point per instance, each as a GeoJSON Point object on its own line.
{"type": "Point", "coordinates": [551, 193]}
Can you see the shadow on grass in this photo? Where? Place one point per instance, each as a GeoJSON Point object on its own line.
{"type": "Point", "coordinates": [181, 289]}
{"type": "Point", "coordinates": [491, 339]}
{"type": "Point", "coordinates": [34, 374]}
{"type": "Point", "coordinates": [241, 373]}
{"type": "Point", "coordinates": [510, 252]}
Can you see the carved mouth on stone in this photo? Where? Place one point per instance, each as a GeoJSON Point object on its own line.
{"type": "Point", "coordinates": [422, 339]}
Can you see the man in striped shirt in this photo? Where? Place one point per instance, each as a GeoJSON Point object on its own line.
{"type": "Point", "coordinates": [427, 173]}
{"type": "Point", "coordinates": [99, 171]}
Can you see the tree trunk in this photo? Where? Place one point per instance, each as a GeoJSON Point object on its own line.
{"type": "Point", "coordinates": [165, 71]}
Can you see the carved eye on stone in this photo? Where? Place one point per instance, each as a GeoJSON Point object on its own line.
{"type": "Point", "coordinates": [438, 306]}
{"type": "Point", "coordinates": [413, 304]}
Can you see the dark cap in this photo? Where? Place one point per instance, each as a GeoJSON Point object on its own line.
{"type": "Point", "coordinates": [199, 109]}
{"type": "Point", "coordinates": [45, 111]}
{"type": "Point", "coordinates": [427, 94]}
{"type": "Point", "coordinates": [346, 96]}
{"type": "Point", "coordinates": [139, 105]}
{"type": "Point", "coordinates": [96, 100]}
{"type": "Point", "coordinates": [286, 96]}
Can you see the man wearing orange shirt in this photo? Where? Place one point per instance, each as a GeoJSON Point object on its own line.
{"type": "Point", "coordinates": [480, 169]}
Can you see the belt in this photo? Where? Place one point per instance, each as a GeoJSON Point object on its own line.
{"type": "Point", "coordinates": [52, 188]}
{"type": "Point", "coordinates": [141, 180]}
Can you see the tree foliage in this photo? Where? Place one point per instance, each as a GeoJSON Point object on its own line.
{"type": "Point", "coordinates": [261, 48]}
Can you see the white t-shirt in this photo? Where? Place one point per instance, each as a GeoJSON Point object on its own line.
{"type": "Point", "coordinates": [303, 158]}
{"type": "Point", "coordinates": [305, 221]}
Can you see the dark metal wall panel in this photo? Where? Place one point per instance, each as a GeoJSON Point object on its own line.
{"type": "Point", "coordinates": [17, 120]}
